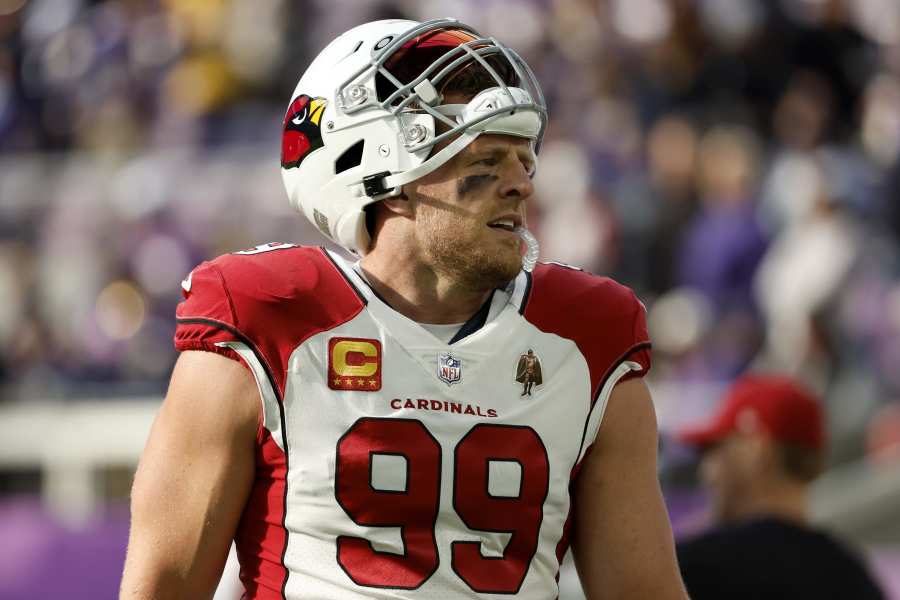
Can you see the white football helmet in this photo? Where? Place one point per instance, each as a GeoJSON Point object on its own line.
{"type": "Point", "coordinates": [364, 117]}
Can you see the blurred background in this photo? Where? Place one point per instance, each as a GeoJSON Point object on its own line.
{"type": "Point", "coordinates": [736, 162]}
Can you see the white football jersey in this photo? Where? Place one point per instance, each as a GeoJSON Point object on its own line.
{"type": "Point", "coordinates": [391, 464]}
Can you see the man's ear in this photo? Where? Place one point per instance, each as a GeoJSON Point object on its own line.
{"type": "Point", "coordinates": [765, 451]}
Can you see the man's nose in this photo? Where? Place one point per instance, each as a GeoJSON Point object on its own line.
{"type": "Point", "coordinates": [516, 182]}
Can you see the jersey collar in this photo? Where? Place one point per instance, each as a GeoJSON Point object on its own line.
{"type": "Point", "coordinates": [514, 297]}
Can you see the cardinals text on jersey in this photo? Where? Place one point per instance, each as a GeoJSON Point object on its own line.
{"type": "Point", "coordinates": [377, 478]}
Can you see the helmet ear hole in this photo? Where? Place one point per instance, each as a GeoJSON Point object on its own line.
{"type": "Point", "coordinates": [349, 158]}
{"type": "Point", "coordinates": [369, 210]}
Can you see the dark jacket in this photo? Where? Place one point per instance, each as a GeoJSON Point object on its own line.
{"type": "Point", "coordinates": [772, 559]}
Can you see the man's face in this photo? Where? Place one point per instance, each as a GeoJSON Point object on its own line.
{"type": "Point", "coordinates": [466, 210]}
{"type": "Point", "coordinates": [728, 470]}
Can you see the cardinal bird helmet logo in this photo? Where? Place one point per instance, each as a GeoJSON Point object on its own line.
{"type": "Point", "coordinates": [302, 132]}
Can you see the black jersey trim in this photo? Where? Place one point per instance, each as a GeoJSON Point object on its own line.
{"type": "Point", "coordinates": [268, 371]}
{"type": "Point", "coordinates": [475, 322]}
{"type": "Point", "coordinates": [374, 291]}
{"type": "Point", "coordinates": [346, 277]}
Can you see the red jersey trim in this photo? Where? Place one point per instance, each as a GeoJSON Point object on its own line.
{"type": "Point", "coordinates": [280, 510]}
{"type": "Point", "coordinates": [565, 540]}
{"type": "Point", "coordinates": [263, 577]}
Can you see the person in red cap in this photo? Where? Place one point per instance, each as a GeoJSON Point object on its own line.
{"type": "Point", "coordinates": [760, 452]}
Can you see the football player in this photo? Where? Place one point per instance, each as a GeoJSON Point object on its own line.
{"type": "Point", "coordinates": [356, 427]}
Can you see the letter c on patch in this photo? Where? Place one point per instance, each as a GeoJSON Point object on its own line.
{"type": "Point", "coordinates": [354, 358]}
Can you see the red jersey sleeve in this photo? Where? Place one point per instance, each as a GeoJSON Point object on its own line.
{"type": "Point", "coordinates": [206, 316]}
{"type": "Point", "coordinates": [268, 299]}
{"type": "Point", "coordinates": [604, 318]}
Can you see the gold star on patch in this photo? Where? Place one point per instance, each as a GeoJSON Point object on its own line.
{"type": "Point", "coordinates": [337, 381]}
{"type": "Point", "coordinates": [348, 382]}
{"type": "Point", "coordinates": [373, 383]}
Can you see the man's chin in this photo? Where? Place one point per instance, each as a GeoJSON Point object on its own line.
{"type": "Point", "coordinates": [485, 272]}
{"type": "Point", "coordinates": [498, 270]}
{"type": "Point", "coordinates": [479, 264]}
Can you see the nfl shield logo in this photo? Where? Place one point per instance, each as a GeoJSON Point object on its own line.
{"type": "Point", "coordinates": [449, 369]}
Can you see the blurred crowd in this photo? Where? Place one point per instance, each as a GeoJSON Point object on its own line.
{"type": "Point", "coordinates": [737, 162]}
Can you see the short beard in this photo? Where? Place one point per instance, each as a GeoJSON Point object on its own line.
{"type": "Point", "coordinates": [464, 260]}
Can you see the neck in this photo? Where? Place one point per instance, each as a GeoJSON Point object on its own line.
{"type": "Point", "coordinates": [419, 292]}
{"type": "Point", "coordinates": [783, 500]}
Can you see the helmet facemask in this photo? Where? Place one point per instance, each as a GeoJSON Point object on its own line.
{"type": "Point", "coordinates": [415, 72]}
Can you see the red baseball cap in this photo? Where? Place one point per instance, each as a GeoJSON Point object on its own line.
{"type": "Point", "coordinates": [775, 404]}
